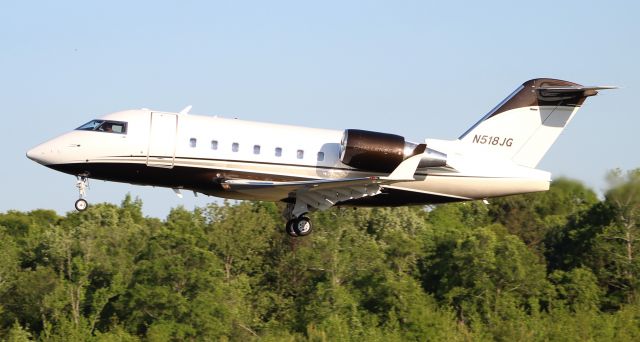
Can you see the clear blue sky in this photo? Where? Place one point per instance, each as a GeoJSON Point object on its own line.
{"type": "Point", "coordinates": [417, 68]}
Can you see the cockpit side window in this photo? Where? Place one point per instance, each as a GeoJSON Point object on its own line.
{"type": "Point", "coordinates": [113, 127]}
{"type": "Point", "coordinates": [105, 126]}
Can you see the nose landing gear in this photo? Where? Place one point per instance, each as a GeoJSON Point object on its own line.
{"type": "Point", "coordinates": [82, 184]}
{"type": "Point", "coordinates": [81, 204]}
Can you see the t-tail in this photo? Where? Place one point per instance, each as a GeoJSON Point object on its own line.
{"type": "Point", "coordinates": [523, 126]}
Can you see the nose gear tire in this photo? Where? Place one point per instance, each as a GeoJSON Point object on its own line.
{"type": "Point", "coordinates": [81, 205]}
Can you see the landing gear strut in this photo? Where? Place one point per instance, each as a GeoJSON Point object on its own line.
{"type": "Point", "coordinates": [297, 225]}
{"type": "Point", "coordinates": [82, 184]}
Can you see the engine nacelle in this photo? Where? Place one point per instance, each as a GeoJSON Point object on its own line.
{"type": "Point", "coordinates": [383, 152]}
{"type": "Point", "coordinates": [374, 151]}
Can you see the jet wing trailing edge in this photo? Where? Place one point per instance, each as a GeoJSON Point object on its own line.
{"type": "Point", "coordinates": [324, 193]}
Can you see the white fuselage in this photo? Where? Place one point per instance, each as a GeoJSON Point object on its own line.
{"type": "Point", "coordinates": [194, 152]}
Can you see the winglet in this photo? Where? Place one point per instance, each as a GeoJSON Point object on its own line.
{"type": "Point", "coordinates": [408, 167]}
{"type": "Point", "coordinates": [178, 193]}
{"type": "Point", "coordinates": [185, 110]}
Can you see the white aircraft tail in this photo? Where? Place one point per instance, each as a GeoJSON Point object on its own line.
{"type": "Point", "coordinates": [523, 126]}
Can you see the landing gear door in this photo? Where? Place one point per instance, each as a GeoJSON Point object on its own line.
{"type": "Point", "coordinates": [162, 140]}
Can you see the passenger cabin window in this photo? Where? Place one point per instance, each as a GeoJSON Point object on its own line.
{"type": "Point", "coordinates": [192, 142]}
{"type": "Point", "coordinates": [256, 149]}
{"type": "Point", "coordinates": [300, 154]}
{"type": "Point", "coordinates": [214, 144]}
{"type": "Point", "coordinates": [320, 156]}
{"type": "Point", "coordinates": [235, 147]}
{"type": "Point", "coordinates": [278, 151]}
{"type": "Point", "coordinates": [106, 126]}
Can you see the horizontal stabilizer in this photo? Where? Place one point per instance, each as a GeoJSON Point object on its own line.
{"type": "Point", "coordinates": [569, 89]}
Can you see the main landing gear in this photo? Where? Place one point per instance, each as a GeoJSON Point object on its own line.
{"type": "Point", "coordinates": [297, 225]}
{"type": "Point", "coordinates": [82, 184]}
{"type": "Point", "coordinates": [300, 226]}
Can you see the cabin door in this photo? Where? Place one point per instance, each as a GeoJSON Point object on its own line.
{"type": "Point", "coordinates": [162, 140]}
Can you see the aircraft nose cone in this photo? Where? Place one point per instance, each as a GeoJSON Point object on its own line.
{"type": "Point", "coordinates": [33, 154]}
{"type": "Point", "coordinates": [37, 154]}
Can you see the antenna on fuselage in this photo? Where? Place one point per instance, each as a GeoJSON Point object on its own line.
{"type": "Point", "coordinates": [185, 110]}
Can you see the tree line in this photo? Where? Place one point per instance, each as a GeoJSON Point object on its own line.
{"type": "Point", "coordinates": [558, 265]}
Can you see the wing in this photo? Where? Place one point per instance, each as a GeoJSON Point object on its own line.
{"type": "Point", "coordinates": [319, 194]}
{"type": "Point", "coordinates": [323, 193]}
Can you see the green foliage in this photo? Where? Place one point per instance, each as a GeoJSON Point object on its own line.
{"type": "Point", "coordinates": [554, 266]}
{"type": "Point", "coordinates": [576, 290]}
{"type": "Point", "coordinates": [486, 274]}
{"type": "Point", "coordinates": [532, 216]}
{"type": "Point", "coordinates": [605, 238]}
{"type": "Point", "coordinates": [18, 334]}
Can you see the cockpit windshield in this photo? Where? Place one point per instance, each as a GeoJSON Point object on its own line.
{"type": "Point", "coordinates": [104, 126]}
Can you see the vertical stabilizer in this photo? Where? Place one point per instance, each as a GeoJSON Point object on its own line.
{"type": "Point", "coordinates": [525, 125]}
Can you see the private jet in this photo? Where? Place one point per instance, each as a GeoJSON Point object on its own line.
{"type": "Point", "coordinates": [314, 169]}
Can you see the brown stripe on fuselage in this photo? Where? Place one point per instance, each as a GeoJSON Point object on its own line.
{"type": "Point", "coordinates": [207, 181]}
{"type": "Point", "coordinates": [200, 179]}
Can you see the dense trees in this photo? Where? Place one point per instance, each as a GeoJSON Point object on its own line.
{"type": "Point", "coordinates": [548, 266]}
